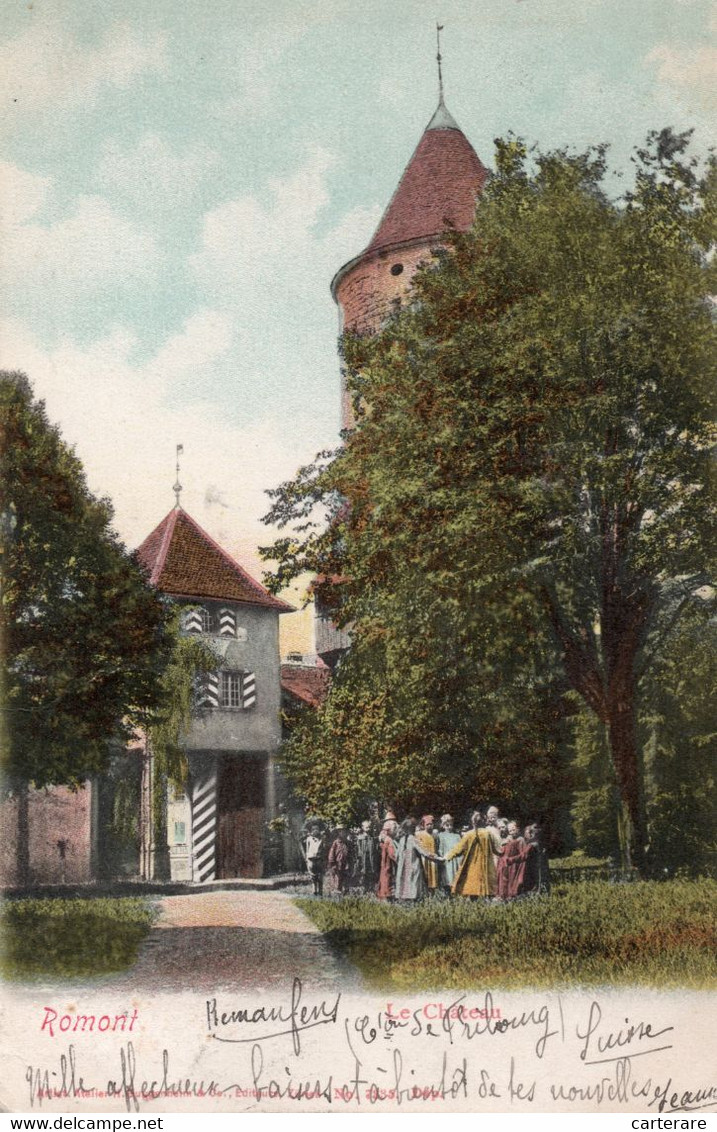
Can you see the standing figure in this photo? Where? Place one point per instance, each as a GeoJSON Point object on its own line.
{"type": "Point", "coordinates": [410, 877]}
{"type": "Point", "coordinates": [511, 865]}
{"type": "Point", "coordinates": [366, 858]}
{"type": "Point", "coordinates": [389, 856]}
{"type": "Point", "coordinates": [476, 874]}
{"type": "Point", "coordinates": [426, 839]}
{"type": "Point", "coordinates": [492, 820]}
{"type": "Point", "coordinates": [315, 853]}
{"type": "Point", "coordinates": [492, 816]}
{"type": "Point", "coordinates": [447, 840]}
{"type": "Point", "coordinates": [340, 860]}
{"type": "Point", "coordinates": [536, 875]}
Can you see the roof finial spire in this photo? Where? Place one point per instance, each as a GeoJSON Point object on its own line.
{"type": "Point", "coordinates": [177, 489]}
{"type": "Point", "coordinates": [439, 29]}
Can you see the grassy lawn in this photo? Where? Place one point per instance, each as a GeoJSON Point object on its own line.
{"type": "Point", "coordinates": [592, 933]}
{"type": "Point", "coordinates": [71, 937]}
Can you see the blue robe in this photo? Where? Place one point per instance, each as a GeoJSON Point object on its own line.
{"type": "Point", "coordinates": [410, 877]}
{"type": "Point", "coordinates": [446, 841]}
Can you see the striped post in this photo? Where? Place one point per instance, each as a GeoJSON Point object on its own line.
{"type": "Point", "coordinates": [204, 825]}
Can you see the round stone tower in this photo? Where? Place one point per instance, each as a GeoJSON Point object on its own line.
{"type": "Point", "coordinates": [438, 189]}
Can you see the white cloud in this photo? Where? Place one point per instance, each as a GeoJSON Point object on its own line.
{"type": "Point", "coordinates": [265, 260]}
{"type": "Point", "coordinates": [256, 79]}
{"type": "Point", "coordinates": [23, 194]}
{"type": "Point", "coordinates": [261, 61]}
{"type": "Point", "coordinates": [121, 418]}
{"type": "Point", "coordinates": [240, 236]}
{"type": "Point", "coordinates": [258, 253]}
{"type": "Point", "coordinates": [76, 253]}
{"type": "Point", "coordinates": [258, 351]}
{"type": "Point", "coordinates": [153, 176]}
{"type": "Point", "coordinates": [690, 72]}
{"type": "Point", "coordinates": [206, 336]}
{"type": "Point", "coordinates": [352, 233]}
{"type": "Point", "coordinates": [44, 66]}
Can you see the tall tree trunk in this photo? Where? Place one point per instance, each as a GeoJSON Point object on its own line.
{"type": "Point", "coordinates": [610, 689]}
{"type": "Point", "coordinates": [146, 815]}
{"type": "Point", "coordinates": [622, 732]}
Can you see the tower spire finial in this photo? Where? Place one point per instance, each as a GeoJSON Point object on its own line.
{"type": "Point", "coordinates": [439, 29]}
{"type": "Point", "coordinates": [177, 489]}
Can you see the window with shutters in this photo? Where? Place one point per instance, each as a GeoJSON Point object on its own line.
{"type": "Point", "coordinates": [231, 690]}
{"type": "Point", "coordinates": [198, 619]}
{"type": "Point", "coordinates": [236, 690]}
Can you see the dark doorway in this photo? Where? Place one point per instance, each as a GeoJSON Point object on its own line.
{"type": "Point", "coordinates": [241, 816]}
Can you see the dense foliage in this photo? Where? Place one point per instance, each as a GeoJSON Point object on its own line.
{"type": "Point", "coordinates": [521, 510]}
{"type": "Point", "coordinates": [84, 637]}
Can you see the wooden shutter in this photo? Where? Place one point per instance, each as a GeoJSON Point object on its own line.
{"type": "Point", "coordinates": [209, 691]}
{"type": "Point", "coordinates": [227, 623]}
{"type": "Point", "coordinates": [192, 621]}
{"type": "Point", "coordinates": [248, 690]}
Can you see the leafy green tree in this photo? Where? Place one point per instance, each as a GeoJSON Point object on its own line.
{"type": "Point", "coordinates": [677, 728]}
{"type": "Point", "coordinates": [521, 508]}
{"type": "Point", "coordinates": [190, 659]}
{"type": "Point", "coordinates": [85, 639]}
{"type": "Point", "coordinates": [595, 810]}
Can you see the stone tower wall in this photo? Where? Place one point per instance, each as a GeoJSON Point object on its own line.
{"type": "Point", "coordinates": [368, 290]}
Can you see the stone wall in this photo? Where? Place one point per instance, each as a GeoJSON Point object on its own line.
{"type": "Point", "coordinates": [60, 837]}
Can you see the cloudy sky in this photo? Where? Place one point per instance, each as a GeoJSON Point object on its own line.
{"type": "Point", "coordinates": [180, 181]}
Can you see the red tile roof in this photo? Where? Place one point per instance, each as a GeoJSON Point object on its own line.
{"type": "Point", "coordinates": [440, 184]}
{"type": "Point", "coordinates": [184, 561]}
{"type": "Point", "coordinates": [309, 684]}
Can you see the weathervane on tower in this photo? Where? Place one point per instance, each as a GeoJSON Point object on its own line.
{"type": "Point", "coordinates": [177, 489]}
{"type": "Point", "coordinates": [439, 29]}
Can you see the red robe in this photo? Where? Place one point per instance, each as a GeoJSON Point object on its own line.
{"type": "Point", "coordinates": [387, 875]}
{"type": "Point", "coordinates": [510, 868]}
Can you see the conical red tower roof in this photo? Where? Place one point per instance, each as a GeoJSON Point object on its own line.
{"type": "Point", "coordinates": [184, 561]}
{"type": "Point", "coordinates": [438, 187]}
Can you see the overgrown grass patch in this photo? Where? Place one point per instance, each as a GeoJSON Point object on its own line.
{"type": "Point", "coordinates": [591, 933]}
{"type": "Point", "coordinates": [73, 937]}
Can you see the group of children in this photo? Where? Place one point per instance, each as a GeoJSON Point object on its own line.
{"type": "Point", "coordinates": [492, 858]}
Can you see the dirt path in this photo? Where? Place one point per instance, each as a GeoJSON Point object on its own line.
{"type": "Point", "coordinates": [211, 940]}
